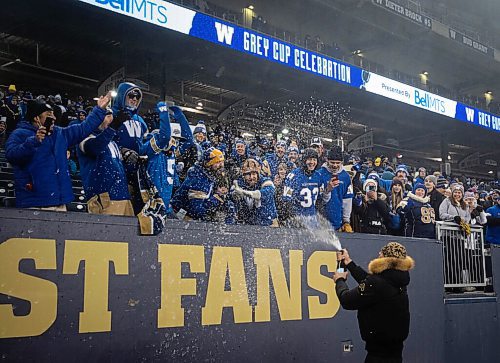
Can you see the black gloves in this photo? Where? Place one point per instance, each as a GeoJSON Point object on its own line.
{"type": "Point", "coordinates": [479, 209]}
{"type": "Point", "coordinates": [457, 219]}
{"type": "Point", "coordinates": [129, 156]}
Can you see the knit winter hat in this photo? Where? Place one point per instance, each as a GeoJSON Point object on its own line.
{"type": "Point", "coordinates": [419, 186]}
{"type": "Point", "coordinates": [441, 182]}
{"type": "Point", "coordinates": [397, 181]}
{"type": "Point", "coordinates": [239, 141]}
{"type": "Point", "coordinates": [433, 179]}
{"type": "Point", "coordinates": [394, 249]}
{"type": "Point", "coordinates": [387, 175]}
{"type": "Point", "coordinates": [200, 127]}
{"type": "Point", "coordinates": [370, 181]}
{"type": "Point", "coordinates": [335, 153]}
{"type": "Point", "coordinates": [469, 194]}
{"type": "Point", "coordinates": [402, 168]}
{"type": "Point", "coordinates": [456, 186]}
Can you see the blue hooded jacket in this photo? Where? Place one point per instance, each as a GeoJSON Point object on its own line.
{"type": "Point", "coordinates": [41, 169]}
{"type": "Point", "coordinates": [197, 195]}
{"type": "Point", "coordinates": [250, 211]}
{"type": "Point", "coordinates": [132, 131]}
{"type": "Point", "coordinates": [101, 166]}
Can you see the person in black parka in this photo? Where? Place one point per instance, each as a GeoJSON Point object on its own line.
{"type": "Point", "coordinates": [381, 300]}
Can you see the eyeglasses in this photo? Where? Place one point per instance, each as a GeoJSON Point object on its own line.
{"type": "Point", "coordinates": [134, 95]}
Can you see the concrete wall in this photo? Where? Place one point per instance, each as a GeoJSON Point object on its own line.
{"type": "Point", "coordinates": [439, 332]}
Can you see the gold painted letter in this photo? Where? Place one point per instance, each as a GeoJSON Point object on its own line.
{"type": "Point", "coordinates": [226, 260]}
{"type": "Point", "coordinates": [173, 286]}
{"type": "Point", "coordinates": [322, 283]}
{"type": "Point", "coordinates": [42, 294]}
{"type": "Point", "coordinates": [269, 263]}
{"type": "Point", "coordinates": [97, 256]}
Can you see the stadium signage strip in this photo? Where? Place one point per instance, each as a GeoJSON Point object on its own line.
{"type": "Point", "coordinates": [404, 12]}
{"type": "Point", "coordinates": [471, 43]}
{"type": "Point", "coordinates": [190, 22]}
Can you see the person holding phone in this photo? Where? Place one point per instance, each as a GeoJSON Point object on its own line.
{"type": "Point", "coordinates": [381, 300]}
{"type": "Point", "coordinates": [372, 209]}
{"type": "Point", "coordinates": [37, 151]}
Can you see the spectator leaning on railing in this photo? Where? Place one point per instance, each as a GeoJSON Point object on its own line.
{"type": "Point", "coordinates": [37, 151]}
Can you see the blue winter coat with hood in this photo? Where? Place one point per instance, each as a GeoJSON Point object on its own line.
{"type": "Point", "coordinates": [130, 134]}
{"type": "Point", "coordinates": [41, 168]}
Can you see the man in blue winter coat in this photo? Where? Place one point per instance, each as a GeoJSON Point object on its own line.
{"type": "Point", "coordinates": [199, 196]}
{"type": "Point", "coordinates": [339, 207]}
{"type": "Point", "coordinates": [253, 196]}
{"type": "Point", "coordinates": [133, 128]}
{"type": "Point", "coordinates": [102, 170]}
{"type": "Point", "coordinates": [37, 150]}
{"type": "Point", "coordinates": [164, 149]}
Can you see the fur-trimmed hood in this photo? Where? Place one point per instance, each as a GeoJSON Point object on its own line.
{"type": "Point", "coordinates": [418, 199]}
{"type": "Point", "coordinates": [382, 264]}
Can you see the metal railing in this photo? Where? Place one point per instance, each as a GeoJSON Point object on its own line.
{"type": "Point", "coordinates": [463, 256]}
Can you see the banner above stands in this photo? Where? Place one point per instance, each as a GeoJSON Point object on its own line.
{"type": "Point", "coordinates": [190, 22]}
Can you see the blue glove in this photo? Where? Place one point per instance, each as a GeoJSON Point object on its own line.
{"type": "Point", "coordinates": [162, 108]}
{"type": "Point", "coordinates": [176, 110]}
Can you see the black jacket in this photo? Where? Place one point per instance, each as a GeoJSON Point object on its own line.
{"type": "Point", "coordinates": [435, 200]}
{"type": "Point", "coordinates": [373, 215]}
{"type": "Point", "coordinates": [382, 303]}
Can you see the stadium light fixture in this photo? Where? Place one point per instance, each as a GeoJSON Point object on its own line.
{"type": "Point", "coordinates": [490, 172]}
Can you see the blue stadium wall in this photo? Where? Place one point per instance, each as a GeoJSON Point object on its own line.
{"type": "Point", "coordinates": [182, 296]}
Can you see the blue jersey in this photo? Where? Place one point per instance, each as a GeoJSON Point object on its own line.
{"type": "Point", "coordinates": [419, 218]}
{"type": "Point", "coordinates": [260, 212]}
{"type": "Point", "coordinates": [303, 191]}
{"type": "Point", "coordinates": [335, 207]}
{"type": "Point", "coordinates": [196, 196]}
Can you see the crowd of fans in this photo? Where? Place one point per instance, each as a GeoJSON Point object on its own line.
{"type": "Point", "coordinates": [160, 167]}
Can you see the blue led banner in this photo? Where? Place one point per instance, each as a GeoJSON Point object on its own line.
{"type": "Point", "coordinates": [190, 22]}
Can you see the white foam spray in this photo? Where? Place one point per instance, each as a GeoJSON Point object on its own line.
{"type": "Point", "coordinates": [320, 230]}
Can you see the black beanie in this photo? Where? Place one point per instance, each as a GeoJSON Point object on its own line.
{"type": "Point", "coordinates": [36, 108]}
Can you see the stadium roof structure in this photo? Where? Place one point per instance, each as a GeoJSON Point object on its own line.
{"type": "Point", "coordinates": [86, 44]}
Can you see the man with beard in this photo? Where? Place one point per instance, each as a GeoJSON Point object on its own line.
{"type": "Point", "coordinates": [339, 207]}
{"type": "Point", "coordinates": [253, 196]}
{"type": "Point", "coordinates": [304, 185]}
{"type": "Point", "coordinates": [198, 196]}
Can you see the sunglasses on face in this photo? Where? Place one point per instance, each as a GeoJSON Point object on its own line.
{"type": "Point", "coordinates": [134, 95]}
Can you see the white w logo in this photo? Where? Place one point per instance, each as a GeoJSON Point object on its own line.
{"type": "Point", "coordinates": [133, 128]}
{"type": "Point", "coordinates": [224, 33]}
